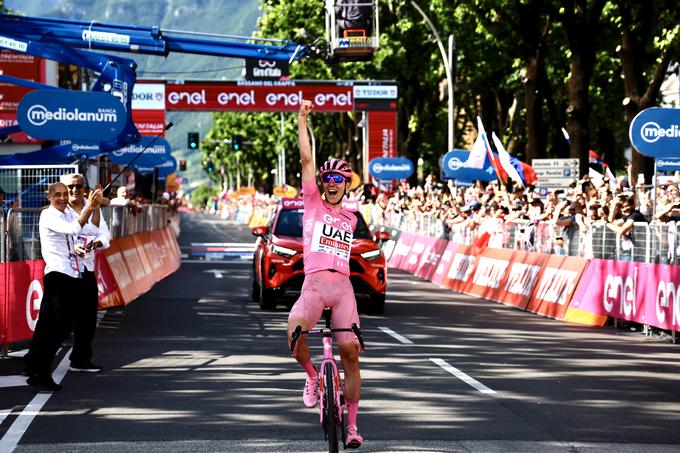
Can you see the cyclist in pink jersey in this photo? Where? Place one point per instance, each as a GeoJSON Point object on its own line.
{"type": "Point", "coordinates": [327, 239]}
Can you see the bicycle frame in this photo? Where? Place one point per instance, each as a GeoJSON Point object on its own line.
{"type": "Point", "coordinates": [329, 361]}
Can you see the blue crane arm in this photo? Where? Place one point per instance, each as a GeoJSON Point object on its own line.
{"type": "Point", "coordinates": [77, 43]}
{"type": "Point", "coordinates": [141, 39]}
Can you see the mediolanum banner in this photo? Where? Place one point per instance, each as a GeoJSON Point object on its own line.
{"type": "Point", "coordinates": [71, 115]}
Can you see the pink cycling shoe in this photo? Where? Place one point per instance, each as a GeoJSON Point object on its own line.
{"type": "Point", "coordinates": [310, 396]}
{"type": "Point", "coordinates": [352, 437]}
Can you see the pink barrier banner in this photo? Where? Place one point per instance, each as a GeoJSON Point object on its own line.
{"type": "Point", "coordinates": [442, 267]}
{"type": "Point", "coordinates": [639, 292]}
{"type": "Point", "coordinates": [430, 258]}
{"type": "Point", "coordinates": [420, 243]}
{"type": "Point", "coordinates": [401, 250]}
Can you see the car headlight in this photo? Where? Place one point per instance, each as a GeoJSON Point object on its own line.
{"type": "Point", "coordinates": [371, 255]}
{"type": "Point", "coordinates": [284, 251]}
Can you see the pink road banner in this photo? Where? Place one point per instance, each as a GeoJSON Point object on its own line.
{"type": "Point", "coordinates": [430, 258]}
{"type": "Point", "coordinates": [402, 250]}
{"type": "Point", "coordinates": [444, 263]}
{"type": "Point", "coordinates": [639, 292]}
{"type": "Point", "coordinates": [420, 243]}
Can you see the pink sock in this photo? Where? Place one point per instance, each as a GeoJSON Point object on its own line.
{"type": "Point", "coordinates": [352, 411]}
{"type": "Point", "coordinates": [310, 370]}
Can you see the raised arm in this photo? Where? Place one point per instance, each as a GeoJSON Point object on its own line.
{"type": "Point", "coordinates": [308, 171]}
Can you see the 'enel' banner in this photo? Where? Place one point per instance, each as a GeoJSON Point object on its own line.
{"type": "Point", "coordinates": [639, 292]}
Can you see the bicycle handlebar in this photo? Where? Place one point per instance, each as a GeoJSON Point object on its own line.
{"type": "Point", "coordinates": [298, 332]}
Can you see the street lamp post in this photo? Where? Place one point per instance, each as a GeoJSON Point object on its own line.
{"type": "Point", "coordinates": [448, 67]}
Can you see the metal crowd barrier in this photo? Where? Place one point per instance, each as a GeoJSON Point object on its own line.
{"type": "Point", "coordinates": [656, 242]}
{"type": "Point", "coordinates": [20, 236]}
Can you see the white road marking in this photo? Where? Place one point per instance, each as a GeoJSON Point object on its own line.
{"type": "Point", "coordinates": [463, 377]}
{"type": "Point", "coordinates": [3, 414]}
{"type": "Point", "coordinates": [216, 272]}
{"type": "Point", "coordinates": [394, 334]}
{"type": "Point", "coordinates": [15, 380]}
{"type": "Point", "coordinates": [15, 432]}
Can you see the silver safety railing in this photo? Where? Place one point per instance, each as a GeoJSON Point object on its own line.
{"type": "Point", "coordinates": [656, 242]}
{"type": "Point", "coordinates": [20, 235]}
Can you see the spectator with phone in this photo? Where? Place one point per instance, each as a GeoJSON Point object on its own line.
{"type": "Point", "coordinates": [87, 299]}
{"type": "Point", "coordinates": [59, 225]}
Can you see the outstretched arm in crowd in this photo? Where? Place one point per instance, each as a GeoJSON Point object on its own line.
{"type": "Point", "coordinates": [303, 141]}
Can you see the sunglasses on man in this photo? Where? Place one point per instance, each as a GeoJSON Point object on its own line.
{"type": "Point", "coordinates": [75, 186]}
{"type": "Point", "coordinates": [337, 179]}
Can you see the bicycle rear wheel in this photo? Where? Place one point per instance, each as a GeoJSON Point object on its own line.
{"type": "Point", "coordinates": [330, 424]}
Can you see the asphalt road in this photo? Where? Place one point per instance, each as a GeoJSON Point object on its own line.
{"type": "Point", "coordinates": [195, 366]}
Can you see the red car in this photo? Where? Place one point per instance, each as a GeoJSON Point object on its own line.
{"type": "Point", "coordinates": [278, 269]}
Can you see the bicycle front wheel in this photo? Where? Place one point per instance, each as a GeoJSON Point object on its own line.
{"type": "Point", "coordinates": [330, 424]}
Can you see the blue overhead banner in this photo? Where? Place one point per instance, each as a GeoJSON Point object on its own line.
{"type": "Point", "coordinates": [155, 150]}
{"type": "Point", "coordinates": [164, 168]}
{"type": "Point", "coordinates": [655, 132]}
{"type": "Point", "coordinates": [71, 115]}
{"type": "Point", "coordinates": [453, 165]}
{"type": "Point", "coordinates": [388, 168]}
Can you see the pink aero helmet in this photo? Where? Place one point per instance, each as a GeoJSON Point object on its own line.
{"type": "Point", "coordinates": [338, 166]}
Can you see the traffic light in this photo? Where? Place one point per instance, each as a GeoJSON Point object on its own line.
{"type": "Point", "coordinates": [192, 140]}
{"type": "Point", "coordinates": [182, 165]}
{"type": "Point", "coordinates": [210, 166]}
{"type": "Point", "coordinates": [236, 142]}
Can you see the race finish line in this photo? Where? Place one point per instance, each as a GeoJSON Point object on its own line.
{"type": "Point", "coordinates": [219, 251]}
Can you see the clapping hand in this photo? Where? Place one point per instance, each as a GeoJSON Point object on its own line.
{"type": "Point", "coordinates": [94, 198]}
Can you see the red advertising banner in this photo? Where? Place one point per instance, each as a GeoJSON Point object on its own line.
{"type": "Point", "coordinates": [141, 274]}
{"type": "Point", "coordinates": [109, 293]}
{"type": "Point", "coordinates": [442, 267]}
{"type": "Point", "coordinates": [272, 97]}
{"type": "Point", "coordinates": [149, 122]}
{"type": "Point", "coordinates": [121, 273]}
{"type": "Point", "coordinates": [382, 133]}
{"type": "Point", "coordinates": [556, 285]}
{"type": "Point", "coordinates": [402, 250]}
{"type": "Point", "coordinates": [463, 263]}
{"type": "Point", "coordinates": [18, 65]}
{"type": "Point", "coordinates": [430, 258]}
{"type": "Point", "coordinates": [25, 293]}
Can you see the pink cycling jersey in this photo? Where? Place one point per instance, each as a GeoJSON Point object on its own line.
{"type": "Point", "coordinates": [327, 240]}
{"type": "Point", "coordinates": [327, 233]}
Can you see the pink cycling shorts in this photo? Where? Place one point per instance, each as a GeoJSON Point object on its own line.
{"type": "Point", "coordinates": [328, 289]}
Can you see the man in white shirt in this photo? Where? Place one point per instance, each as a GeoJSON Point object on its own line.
{"type": "Point", "coordinates": [87, 298]}
{"type": "Point", "coordinates": [58, 231]}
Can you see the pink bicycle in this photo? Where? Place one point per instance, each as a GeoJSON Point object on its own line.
{"type": "Point", "coordinates": [331, 390]}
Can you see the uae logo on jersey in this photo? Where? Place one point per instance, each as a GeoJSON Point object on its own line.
{"type": "Point", "coordinates": [328, 239]}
